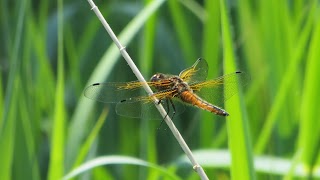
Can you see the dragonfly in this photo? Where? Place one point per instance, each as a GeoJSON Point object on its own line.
{"type": "Point", "coordinates": [190, 87]}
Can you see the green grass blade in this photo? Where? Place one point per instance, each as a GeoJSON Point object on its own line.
{"type": "Point", "coordinates": [56, 166]}
{"type": "Point", "coordinates": [148, 44]}
{"type": "Point", "coordinates": [7, 139]}
{"type": "Point", "coordinates": [197, 9]}
{"type": "Point", "coordinates": [108, 160]}
{"type": "Point", "coordinates": [15, 65]}
{"type": "Point", "coordinates": [237, 122]}
{"type": "Point", "coordinates": [182, 30]}
{"type": "Point", "coordinates": [9, 112]}
{"type": "Point", "coordinates": [211, 49]}
{"type": "Point", "coordinates": [27, 134]}
{"type": "Point", "coordinates": [1, 99]}
{"type": "Point", "coordinates": [309, 130]}
{"type": "Point", "coordinates": [91, 138]}
{"type": "Point", "coordinates": [147, 148]}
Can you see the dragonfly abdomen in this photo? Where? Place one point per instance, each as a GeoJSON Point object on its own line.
{"type": "Point", "coordinates": [195, 100]}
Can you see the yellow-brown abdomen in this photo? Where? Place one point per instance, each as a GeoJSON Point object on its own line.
{"type": "Point", "coordinates": [193, 99]}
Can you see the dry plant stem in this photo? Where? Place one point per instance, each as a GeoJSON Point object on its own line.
{"type": "Point", "coordinates": [135, 70]}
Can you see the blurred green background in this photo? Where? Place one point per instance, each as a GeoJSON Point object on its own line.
{"type": "Point", "coordinates": [51, 50]}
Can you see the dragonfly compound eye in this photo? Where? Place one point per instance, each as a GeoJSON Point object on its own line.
{"type": "Point", "coordinates": [157, 77]}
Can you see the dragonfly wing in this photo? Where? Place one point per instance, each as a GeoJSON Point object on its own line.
{"type": "Point", "coordinates": [131, 99]}
{"type": "Point", "coordinates": [198, 72]}
{"type": "Point", "coordinates": [137, 109]}
{"type": "Point", "coordinates": [218, 90]}
{"type": "Point", "coordinates": [114, 92]}
{"type": "Point", "coordinates": [142, 109]}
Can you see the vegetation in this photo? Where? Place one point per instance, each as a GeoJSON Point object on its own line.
{"type": "Point", "coordinates": [51, 51]}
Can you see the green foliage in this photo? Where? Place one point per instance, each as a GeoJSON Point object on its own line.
{"type": "Point", "coordinates": [52, 50]}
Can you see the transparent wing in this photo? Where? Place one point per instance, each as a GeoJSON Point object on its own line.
{"type": "Point", "coordinates": [218, 90]}
{"type": "Point", "coordinates": [141, 109]}
{"type": "Point", "coordinates": [198, 72]}
{"type": "Point", "coordinates": [131, 99]}
{"type": "Point", "coordinates": [114, 92]}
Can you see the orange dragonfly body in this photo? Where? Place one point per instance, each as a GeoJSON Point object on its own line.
{"type": "Point", "coordinates": [189, 87]}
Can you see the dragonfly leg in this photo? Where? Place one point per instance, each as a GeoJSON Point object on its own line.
{"type": "Point", "coordinates": [173, 107]}
{"type": "Point", "coordinates": [168, 110]}
{"type": "Point", "coordinates": [159, 102]}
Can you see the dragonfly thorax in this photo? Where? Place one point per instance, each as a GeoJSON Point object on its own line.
{"type": "Point", "coordinates": [170, 82]}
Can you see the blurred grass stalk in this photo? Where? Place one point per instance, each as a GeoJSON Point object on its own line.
{"type": "Point", "coordinates": [211, 49]}
{"type": "Point", "coordinates": [56, 163]}
{"type": "Point", "coordinates": [309, 137]}
{"type": "Point", "coordinates": [9, 113]}
{"type": "Point", "coordinates": [238, 128]}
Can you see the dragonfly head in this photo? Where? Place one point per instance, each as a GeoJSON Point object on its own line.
{"type": "Point", "coordinates": [157, 77]}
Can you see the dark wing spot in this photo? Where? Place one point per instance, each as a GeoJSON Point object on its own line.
{"type": "Point", "coordinates": [238, 72]}
{"type": "Point", "coordinates": [95, 84]}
